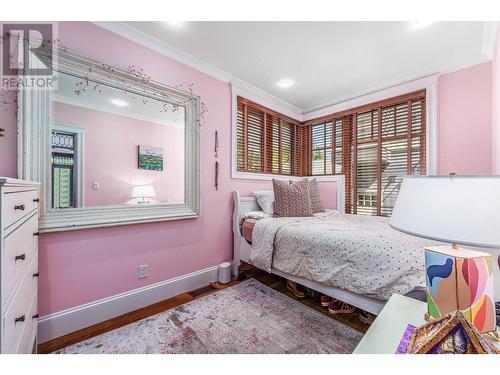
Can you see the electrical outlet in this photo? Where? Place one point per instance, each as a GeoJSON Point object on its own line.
{"type": "Point", "coordinates": [143, 271]}
{"type": "Point", "coordinates": [96, 185]}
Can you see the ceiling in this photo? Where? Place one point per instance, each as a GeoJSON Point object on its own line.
{"type": "Point", "coordinates": [328, 61]}
{"type": "Point", "coordinates": [103, 98]}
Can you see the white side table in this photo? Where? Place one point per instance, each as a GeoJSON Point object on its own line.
{"type": "Point", "coordinates": [385, 333]}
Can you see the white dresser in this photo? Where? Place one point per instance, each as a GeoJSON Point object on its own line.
{"type": "Point", "coordinates": [18, 265]}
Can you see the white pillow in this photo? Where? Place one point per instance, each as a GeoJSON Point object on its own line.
{"type": "Point", "coordinates": [256, 215]}
{"type": "Point", "coordinates": [265, 199]}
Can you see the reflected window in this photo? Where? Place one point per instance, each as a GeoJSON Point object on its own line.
{"type": "Point", "coordinates": [66, 161]}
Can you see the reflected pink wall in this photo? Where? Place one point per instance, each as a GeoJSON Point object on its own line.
{"type": "Point", "coordinates": [83, 266]}
{"type": "Point", "coordinates": [110, 155]}
{"type": "Point", "coordinates": [465, 121]}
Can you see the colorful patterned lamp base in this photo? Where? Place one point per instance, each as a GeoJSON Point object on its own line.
{"type": "Point", "coordinates": [461, 279]}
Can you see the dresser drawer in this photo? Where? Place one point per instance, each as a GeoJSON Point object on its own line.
{"type": "Point", "coordinates": [16, 204]}
{"type": "Point", "coordinates": [19, 248]}
{"type": "Point", "coordinates": [16, 317]}
{"type": "Point", "coordinates": [28, 336]}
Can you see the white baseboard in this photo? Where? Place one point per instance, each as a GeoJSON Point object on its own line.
{"type": "Point", "coordinates": [70, 320]}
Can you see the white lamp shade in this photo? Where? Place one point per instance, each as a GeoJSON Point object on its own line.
{"type": "Point", "coordinates": [457, 209]}
{"type": "Point", "coordinates": [143, 191]}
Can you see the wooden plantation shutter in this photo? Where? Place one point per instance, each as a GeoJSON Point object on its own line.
{"type": "Point", "coordinates": [267, 142]}
{"type": "Point", "coordinates": [347, 160]}
{"type": "Point", "coordinates": [306, 153]}
{"type": "Point", "coordinates": [286, 148]}
{"type": "Point", "coordinates": [254, 132]}
{"type": "Point", "coordinates": [388, 142]}
{"type": "Point", "coordinates": [327, 147]}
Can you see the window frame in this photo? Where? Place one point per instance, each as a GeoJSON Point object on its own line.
{"type": "Point", "coordinates": [235, 173]}
{"type": "Point", "coordinates": [270, 121]}
{"type": "Point", "coordinates": [78, 166]}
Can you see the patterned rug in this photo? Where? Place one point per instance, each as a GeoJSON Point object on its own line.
{"type": "Point", "coordinates": [246, 318]}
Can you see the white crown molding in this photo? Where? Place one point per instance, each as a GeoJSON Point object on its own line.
{"type": "Point", "coordinates": [391, 90]}
{"type": "Point", "coordinates": [237, 90]}
{"type": "Point", "coordinates": [140, 37]}
{"type": "Point", "coordinates": [75, 318]}
{"type": "Point", "coordinates": [489, 38]}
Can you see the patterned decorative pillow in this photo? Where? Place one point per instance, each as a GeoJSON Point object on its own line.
{"type": "Point", "coordinates": [265, 199]}
{"type": "Point", "coordinates": [316, 202]}
{"type": "Point", "coordinates": [292, 200]}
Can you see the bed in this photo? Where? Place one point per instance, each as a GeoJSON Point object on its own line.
{"type": "Point", "coordinates": [398, 269]}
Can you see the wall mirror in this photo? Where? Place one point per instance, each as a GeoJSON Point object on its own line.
{"type": "Point", "coordinates": [109, 147]}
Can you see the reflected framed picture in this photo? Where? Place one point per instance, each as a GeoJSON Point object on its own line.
{"type": "Point", "coordinates": [150, 158]}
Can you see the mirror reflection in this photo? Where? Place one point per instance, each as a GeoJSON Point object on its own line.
{"type": "Point", "coordinates": [114, 147]}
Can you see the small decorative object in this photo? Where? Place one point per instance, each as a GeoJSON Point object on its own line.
{"type": "Point", "coordinates": [450, 334]}
{"type": "Point", "coordinates": [150, 158]}
{"type": "Point", "coordinates": [216, 175]}
{"type": "Point", "coordinates": [497, 304]}
{"type": "Point", "coordinates": [216, 144]}
{"type": "Point", "coordinates": [224, 274]}
{"type": "Point", "coordinates": [143, 191]}
{"type": "Point", "coordinates": [457, 210]}
{"type": "Point", "coordinates": [405, 340]}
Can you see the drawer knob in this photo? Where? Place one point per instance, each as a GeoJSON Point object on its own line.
{"type": "Point", "coordinates": [20, 257]}
{"type": "Point", "coordinates": [20, 319]}
{"type": "Point", "coordinates": [36, 234]}
{"type": "Point", "coordinates": [21, 207]}
{"type": "Point", "coordinates": [36, 200]}
{"type": "Point", "coordinates": [36, 274]}
{"type": "Point", "coordinates": [35, 316]}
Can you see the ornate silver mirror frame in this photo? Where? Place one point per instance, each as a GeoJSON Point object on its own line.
{"type": "Point", "coordinates": [34, 148]}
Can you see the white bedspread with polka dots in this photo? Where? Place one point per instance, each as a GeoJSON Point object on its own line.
{"type": "Point", "coordinates": [361, 254]}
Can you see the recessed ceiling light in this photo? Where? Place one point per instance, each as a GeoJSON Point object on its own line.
{"type": "Point", "coordinates": [420, 24]}
{"type": "Point", "coordinates": [285, 83]}
{"type": "Point", "coordinates": [119, 102]}
{"type": "Point", "coordinates": [175, 24]}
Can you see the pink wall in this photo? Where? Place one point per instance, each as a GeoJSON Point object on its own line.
{"type": "Point", "coordinates": [82, 266]}
{"type": "Point", "coordinates": [496, 104]}
{"type": "Point", "coordinates": [465, 121]}
{"type": "Point", "coordinates": [110, 155]}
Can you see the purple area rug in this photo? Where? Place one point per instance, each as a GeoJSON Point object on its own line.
{"type": "Point", "coordinates": [246, 318]}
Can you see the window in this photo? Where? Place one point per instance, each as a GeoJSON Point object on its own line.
{"type": "Point", "coordinates": [267, 142]}
{"type": "Point", "coordinates": [66, 165]}
{"type": "Point", "coordinates": [373, 146]}
{"type": "Point", "coordinates": [63, 160]}
{"type": "Point", "coordinates": [388, 144]}
{"type": "Point", "coordinates": [327, 148]}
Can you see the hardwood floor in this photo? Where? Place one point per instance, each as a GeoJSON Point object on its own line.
{"type": "Point", "coordinates": [273, 281]}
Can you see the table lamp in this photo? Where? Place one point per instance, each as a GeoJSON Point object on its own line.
{"type": "Point", "coordinates": [460, 210]}
{"type": "Point", "coordinates": [143, 191]}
